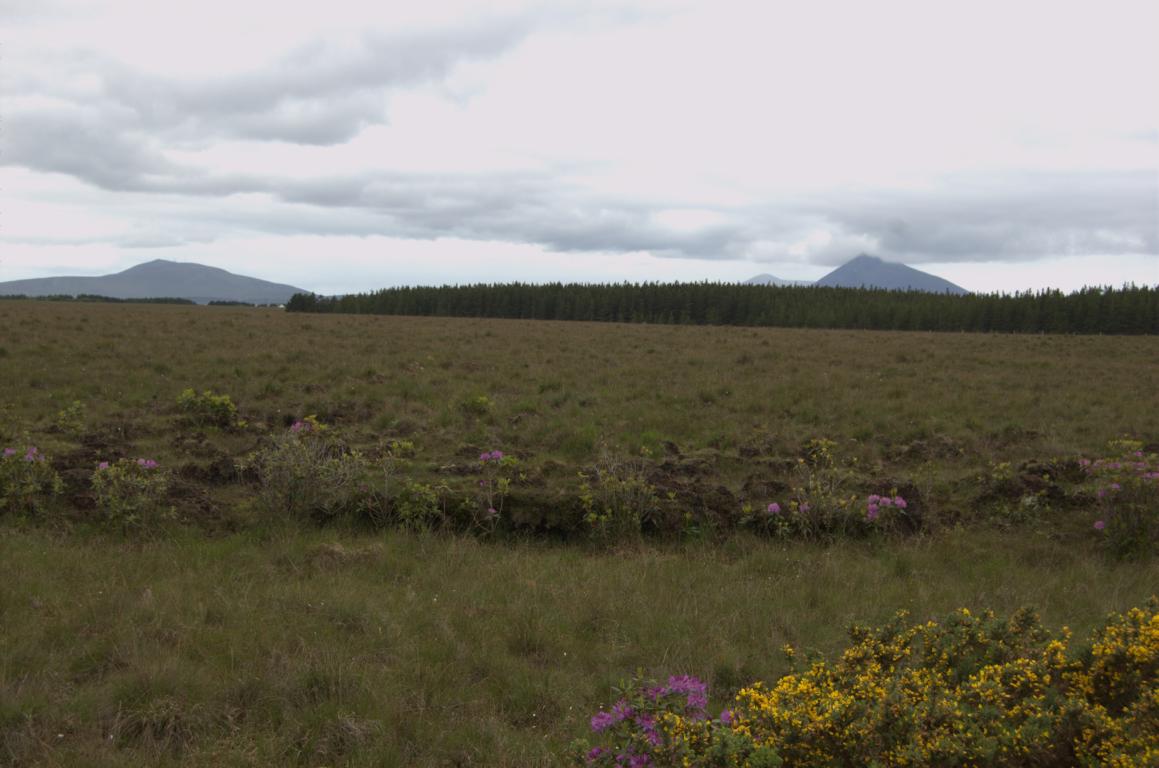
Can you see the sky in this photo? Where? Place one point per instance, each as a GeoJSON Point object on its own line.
{"type": "Point", "coordinates": [348, 146]}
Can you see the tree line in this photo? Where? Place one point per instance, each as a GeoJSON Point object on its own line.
{"type": "Point", "coordinates": [1127, 310]}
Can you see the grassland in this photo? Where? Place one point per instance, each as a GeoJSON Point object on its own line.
{"type": "Point", "coordinates": [228, 642]}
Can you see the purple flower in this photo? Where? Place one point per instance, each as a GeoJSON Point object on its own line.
{"type": "Point", "coordinates": [695, 692]}
{"type": "Point", "coordinates": [1100, 525]}
{"type": "Point", "coordinates": [103, 465]}
{"type": "Point", "coordinates": [32, 454]}
{"type": "Point", "coordinates": [774, 508]}
{"type": "Point", "coordinates": [595, 753]}
{"type": "Point", "coordinates": [726, 717]}
{"type": "Point", "coordinates": [1116, 487]}
{"type": "Point", "coordinates": [9, 452]}
{"type": "Point", "coordinates": [874, 498]}
{"type": "Point", "coordinates": [492, 512]}
{"type": "Point", "coordinates": [1101, 492]}
{"type": "Point", "coordinates": [484, 456]}
{"type": "Point", "coordinates": [147, 463]}
{"type": "Point", "coordinates": [871, 513]}
{"type": "Point", "coordinates": [602, 721]}
{"type": "Point", "coordinates": [899, 502]}
{"type": "Point", "coordinates": [804, 507]}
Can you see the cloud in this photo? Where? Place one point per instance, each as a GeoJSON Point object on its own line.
{"type": "Point", "coordinates": [132, 131]}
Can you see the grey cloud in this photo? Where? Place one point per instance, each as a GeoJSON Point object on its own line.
{"type": "Point", "coordinates": [83, 145]}
{"type": "Point", "coordinates": [324, 93]}
{"type": "Point", "coordinates": [1017, 217]}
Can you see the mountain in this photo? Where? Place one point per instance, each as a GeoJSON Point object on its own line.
{"type": "Point", "coordinates": [160, 278]}
{"type": "Point", "coordinates": [767, 279]}
{"type": "Point", "coordinates": [871, 272]}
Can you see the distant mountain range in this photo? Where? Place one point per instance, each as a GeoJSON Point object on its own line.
{"type": "Point", "coordinates": [871, 272]}
{"type": "Point", "coordinates": [160, 278]}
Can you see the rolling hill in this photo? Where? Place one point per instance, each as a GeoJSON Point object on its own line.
{"type": "Point", "coordinates": [160, 278]}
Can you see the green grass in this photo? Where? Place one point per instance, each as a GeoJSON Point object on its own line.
{"type": "Point", "coordinates": [319, 649]}
{"type": "Point", "coordinates": [226, 642]}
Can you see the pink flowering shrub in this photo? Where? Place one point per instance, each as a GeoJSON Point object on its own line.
{"type": "Point", "coordinates": [1126, 491]}
{"type": "Point", "coordinates": [497, 471]}
{"type": "Point", "coordinates": [130, 493]}
{"type": "Point", "coordinates": [27, 480]}
{"type": "Point", "coordinates": [820, 507]}
{"type": "Point", "coordinates": [306, 473]}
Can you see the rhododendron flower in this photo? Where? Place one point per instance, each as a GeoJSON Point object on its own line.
{"type": "Point", "coordinates": [1100, 525]}
{"type": "Point", "coordinates": [899, 502]}
{"type": "Point", "coordinates": [774, 508]}
{"type": "Point", "coordinates": [9, 452]}
{"type": "Point", "coordinates": [103, 465]}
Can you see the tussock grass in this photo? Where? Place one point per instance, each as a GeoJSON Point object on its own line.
{"type": "Point", "coordinates": [407, 649]}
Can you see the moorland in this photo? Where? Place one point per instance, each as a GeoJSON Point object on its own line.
{"type": "Point", "coordinates": [263, 537]}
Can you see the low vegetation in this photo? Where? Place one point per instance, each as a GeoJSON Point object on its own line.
{"type": "Point", "coordinates": [242, 536]}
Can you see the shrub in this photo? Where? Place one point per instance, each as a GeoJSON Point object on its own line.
{"type": "Point", "coordinates": [476, 406]}
{"type": "Point", "coordinates": [129, 493]}
{"type": "Point", "coordinates": [1126, 489]}
{"type": "Point", "coordinates": [208, 409]}
{"type": "Point", "coordinates": [820, 507]}
{"type": "Point", "coordinates": [967, 690]}
{"type": "Point", "coordinates": [307, 473]}
{"type": "Point", "coordinates": [27, 480]}
{"type": "Point", "coordinates": [617, 498]}
{"type": "Point", "coordinates": [71, 419]}
{"type": "Point", "coordinates": [418, 506]}
{"type": "Point", "coordinates": [498, 472]}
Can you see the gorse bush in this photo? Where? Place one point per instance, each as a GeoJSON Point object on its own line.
{"type": "Point", "coordinates": [306, 473]}
{"type": "Point", "coordinates": [966, 690]}
{"type": "Point", "coordinates": [27, 480]}
{"type": "Point", "coordinates": [130, 493]}
{"type": "Point", "coordinates": [208, 409]}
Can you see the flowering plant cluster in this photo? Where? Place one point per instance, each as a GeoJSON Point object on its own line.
{"type": "Point", "coordinates": [130, 492]}
{"type": "Point", "coordinates": [498, 471]}
{"type": "Point", "coordinates": [1126, 490]}
{"type": "Point", "coordinates": [306, 473]}
{"type": "Point", "coordinates": [27, 480]}
{"type": "Point", "coordinates": [665, 724]}
{"type": "Point", "coordinates": [968, 690]}
{"type": "Point", "coordinates": [819, 507]}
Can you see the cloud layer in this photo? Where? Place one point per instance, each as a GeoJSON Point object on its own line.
{"type": "Point", "coordinates": [580, 150]}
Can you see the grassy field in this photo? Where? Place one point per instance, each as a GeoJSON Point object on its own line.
{"type": "Point", "coordinates": [225, 640]}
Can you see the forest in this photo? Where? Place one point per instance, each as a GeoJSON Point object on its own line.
{"type": "Point", "coordinates": [1126, 310]}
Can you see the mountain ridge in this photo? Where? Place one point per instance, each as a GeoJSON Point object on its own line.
{"type": "Point", "coordinates": [160, 278]}
{"type": "Point", "coordinates": [865, 271]}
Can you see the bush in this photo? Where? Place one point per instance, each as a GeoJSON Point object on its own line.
{"type": "Point", "coordinates": [1126, 489]}
{"type": "Point", "coordinates": [129, 493]}
{"type": "Point", "coordinates": [820, 507]}
{"type": "Point", "coordinates": [617, 498]}
{"type": "Point", "coordinates": [208, 409]}
{"type": "Point", "coordinates": [968, 690]}
{"type": "Point", "coordinates": [27, 480]}
{"type": "Point", "coordinates": [306, 473]}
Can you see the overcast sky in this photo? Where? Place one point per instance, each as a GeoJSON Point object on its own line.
{"type": "Point", "coordinates": [355, 145]}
